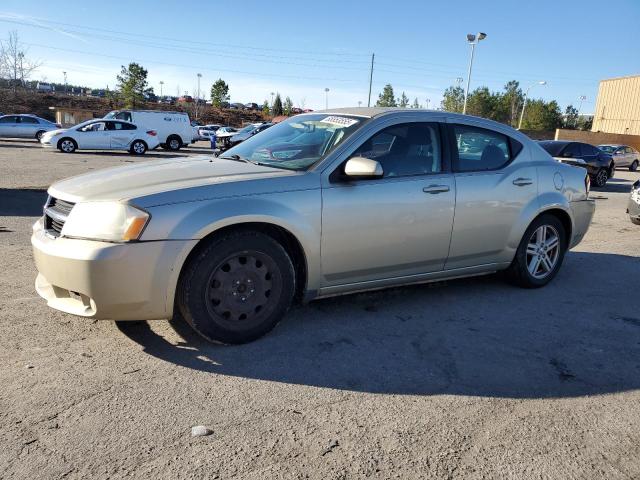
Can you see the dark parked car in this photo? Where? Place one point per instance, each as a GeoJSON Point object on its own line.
{"type": "Point", "coordinates": [623, 155]}
{"type": "Point", "coordinates": [252, 106]}
{"type": "Point", "coordinates": [599, 164]}
{"type": "Point", "coordinates": [248, 132]}
{"type": "Point", "coordinates": [633, 208]}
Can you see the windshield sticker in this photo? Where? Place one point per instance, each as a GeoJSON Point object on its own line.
{"type": "Point", "coordinates": [340, 121]}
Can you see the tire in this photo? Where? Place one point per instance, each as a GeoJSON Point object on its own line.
{"type": "Point", "coordinates": [526, 270]}
{"type": "Point", "coordinates": [174, 143]}
{"type": "Point", "coordinates": [600, 178]}
{"type": "Point", "coordinates": [237, 287]}
{"type": "Point", "coordinates": [634, 166]}
{"type": "Point", "coordinates": [39, 134]}
{"type": "Point", "coordinates": [635, 221]}
{"type": "Point", "coordinates": [67, 145]}
{"type": "Point", "coordinates": [138, 147]}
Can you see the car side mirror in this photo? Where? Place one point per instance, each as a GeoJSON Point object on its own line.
{"type": "Point", "coordinates": [360, 167]}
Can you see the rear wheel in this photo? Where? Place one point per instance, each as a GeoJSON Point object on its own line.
{"type": "Point", "coordinates": [635, 221]}
{"type": "Point", "coordinates": [600, 178]}
{"type": "Point", "coordinates": [237, 288]}
{"type": "Point", "coordinates": [634, 166]}
{"type": "Point", "coordinates": [138, 147]}
{"type": "Point", "coordinates": [67, 145]}
{"type": "Point", "coordinates": [540, 253]}
{"type": "Point", "coordinates": [39, 134]}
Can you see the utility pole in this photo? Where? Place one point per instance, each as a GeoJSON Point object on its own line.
{"type": "Point", "coordinates": [373, 56]}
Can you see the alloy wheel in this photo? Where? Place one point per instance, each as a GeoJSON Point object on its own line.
{"type": "Point", "coordinates": [543, 251]}
{"type": "Point", "coordinates": [174, 144]}
{"type": "Point", "coordinates": [138, 147]}
{"type": "Point", "coordinates": [601, 178]}
{"type": "Point", "coordinates": [67, 146]}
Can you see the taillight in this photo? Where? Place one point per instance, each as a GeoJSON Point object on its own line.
{"type": "Point", "coordinates": [153, 133]}
{"type": "Point", "coordinates": [587, 184]}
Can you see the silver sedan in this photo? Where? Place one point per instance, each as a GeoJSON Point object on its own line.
{"type": "Point", "coordinates": [322, 204]}
{"type": "Point", "coordinates": [25, 126]}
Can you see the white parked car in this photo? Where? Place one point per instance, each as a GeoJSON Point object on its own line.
{"type": "Point", "coordinates": [204, 131]}
{"type": "Point", "coordinates": [174, 128]}
{"type": "Point", "coordinates": [101, 134]}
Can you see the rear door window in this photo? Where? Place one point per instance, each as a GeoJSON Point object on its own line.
{"type": "Point", "coordinates": [126, 116]}
{"type": "Point", "coordinates": [28, 120]}
{"type": "Point", "coordinates": [480, 149]}
{"type": "Point", "coordinates": [572, 150]}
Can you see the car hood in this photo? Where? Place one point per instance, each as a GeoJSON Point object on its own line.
{"type": "Point", "coordinates": [58, 131]}
{"type": "Point", "coordinates": [150, 178]}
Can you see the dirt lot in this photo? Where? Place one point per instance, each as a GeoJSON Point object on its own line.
{"type": "Point", "coordinates": [466, 379]}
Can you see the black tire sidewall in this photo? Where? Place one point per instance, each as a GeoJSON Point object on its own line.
{"type": "Point", "coordinates": [194, 283]}
{"type": "Point", "coordinates": [634, 166]}
{"type": "Point", "coordinates": [39, 134]}
{"type": "Point", "coordinates": [75, 145]}
{"type": "Point", "coordinates": [525, 279]}
{"type": "Point", "coordinates": [170, 139]}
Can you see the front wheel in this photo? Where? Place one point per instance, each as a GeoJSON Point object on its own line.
{"type": "Point", "coordinates": [540, 253]}
{"type": "Point", "coordinates": [174, 143]}
{"type": "Point", "coordinates": [67, 145]}
{"type": "Point", "coordinates": [237, 288]}
{"type": "Point", "coordinates": [138, 147]}
{"type": "Point", "coordinates": [634, 166]}
{"type": "Point", "coordinates": [600, 178]}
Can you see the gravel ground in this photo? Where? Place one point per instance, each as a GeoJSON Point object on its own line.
{"type": "Point", "coordinates": [461, 379]}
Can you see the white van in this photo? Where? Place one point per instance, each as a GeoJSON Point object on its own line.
{"type": "Point", "coordinates": [174, 128]}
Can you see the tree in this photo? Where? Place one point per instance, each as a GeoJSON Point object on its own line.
{"type": "Point", "coordinates": [219, 93]}
{"type": "Point", "coordinates": [288, 106]}
{"type": "Point", "coordinates": [453, 99]}
{"type": "Point", "coordinates": [570, 117]}
{"type": "Point", "coordinates": [386, 98]}
{"type": "Point", "coordinates": [416, 104]}
{"type": "Point", "coordinates": [132, 83]}
{"type": "Point", "coordinates": [14, 64]}
{"type": "Point", "coordinates": [510, 103]}
{"type": "Point", "coordinates": [265, 108]}
{"type": "Point", "coordinates": [541, 115]}
{"type": "Point", "coordinates": [277, 106]}
{"type": "Point", "coordinates": [403, 101]}
{"type": "Point", "coordinates": [482, 103]}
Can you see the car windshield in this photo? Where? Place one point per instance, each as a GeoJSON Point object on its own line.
{"type": "Point", "coordinates": [553, 148]}
{"type": "Point", "coordinates": [247, 129]}
{"type": "Point", "coordinates": [297, 143]}
{"type": "Point", "coordinates": [607, 148]}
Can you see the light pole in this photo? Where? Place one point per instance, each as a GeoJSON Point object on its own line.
{"type": "Point", "coordinates": [359, 103]}
{"type": "Point", "coordinates": [582, 98]}
{"type": "Point", "coordinates": [473, 40]}
{"type": "Point", "coordinates": [198, 96]}
{"type": "Point", "coordinates": [326, 99]}
{"type": "Point", "coordinates": [65, 82]}
{"type": "Point", "coordinates": [428, 100]}
{"type": "Point", "coordinates": [526, 95]}
{"type": "Point", "coordinates": [272, 94]}
{"type": "Point", "coordinates": [161, 84]}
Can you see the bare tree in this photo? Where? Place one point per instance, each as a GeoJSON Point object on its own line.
{"type": "Point", "coordinates": [14, 64]}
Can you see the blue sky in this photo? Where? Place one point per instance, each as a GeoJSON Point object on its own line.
{"type": "Point", "coordinates": [300, 48]}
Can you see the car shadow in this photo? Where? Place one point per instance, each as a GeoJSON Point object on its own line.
{"type": "Point", "coordinates": [22, 202]}
{"type": "Point", "coordinates": [123, 154]}
{"type": "Point", "coordinates": [22, 143]}
{"type": "Point", "coordinates": [578, 336]}
{"type": "Point", "coordinates": [615, 185]}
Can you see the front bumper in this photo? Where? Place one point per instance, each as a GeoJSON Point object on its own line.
{"type": "Point", "coordinates": [133, 281]}
{"type": "Point", "coordinates": [582, 215]}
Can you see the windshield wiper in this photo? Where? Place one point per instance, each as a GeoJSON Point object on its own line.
{"type": "Point", "coordinates": [236, 158]}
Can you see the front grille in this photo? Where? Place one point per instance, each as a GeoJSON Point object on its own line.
{"type": "Point", "coordinates": [56, 212]}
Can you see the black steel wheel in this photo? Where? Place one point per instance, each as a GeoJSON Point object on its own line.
{"type": "Point", "coordinates": [237, 287]}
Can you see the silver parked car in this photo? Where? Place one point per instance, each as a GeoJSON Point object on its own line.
{"type": "Point", "coordinates": [623, 155]}
{"type": "Point", "coordinates": [25, 126]}
{"type": "Point", "coordinates": [322, 204]}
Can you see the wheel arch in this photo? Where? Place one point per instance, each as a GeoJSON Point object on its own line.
{"type": "Point", "coordinates": [284, 236]}
{"type": "Point", "coordinates": [66, 138]}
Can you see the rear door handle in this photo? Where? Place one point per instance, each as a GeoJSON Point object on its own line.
{"type": "Point", "coordinates": [433, 189]}
{"type": "Point", "coordinates": [521, 182]}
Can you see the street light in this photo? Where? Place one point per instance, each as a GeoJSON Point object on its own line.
{"type": "Point", "coordinates": [428, 101]}
{"type": "Point", "coordinates": [272, 94]}
{"type": "Point", "coordinates": [359, 103]}
{"type": "Point", "coordinates": [473, 40]}
{"type": "Point", "coordinates": [326, 99]}
{"type": "Point", "coordinates": [526, 95]}
{"type": "Point", "coordinates": [65, 82]}
{"type": "Point", "coordinates": [161, 84]}
{"type": "Point", "coordinates": [582, 98]}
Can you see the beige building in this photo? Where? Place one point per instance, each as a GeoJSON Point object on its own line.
{"type": "Point", "coordinates": [618, 106]}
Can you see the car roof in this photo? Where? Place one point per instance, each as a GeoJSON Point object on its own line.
{"type": "Point", "coordinates": [614, 145]}
{"type": "Point", "coordinates": [556, 142]}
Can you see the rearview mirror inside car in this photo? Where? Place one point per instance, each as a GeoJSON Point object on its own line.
{"type": "Point", "coordinates": [360, 167]}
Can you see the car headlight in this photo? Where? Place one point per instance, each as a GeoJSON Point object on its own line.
{"type": "Point", "coordinates": [107, 221]}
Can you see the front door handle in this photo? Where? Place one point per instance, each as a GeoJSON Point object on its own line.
{"type": "Point", "coordinates": [521, 182]}
{"type": "Point", "coordinates": [433, 189]}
